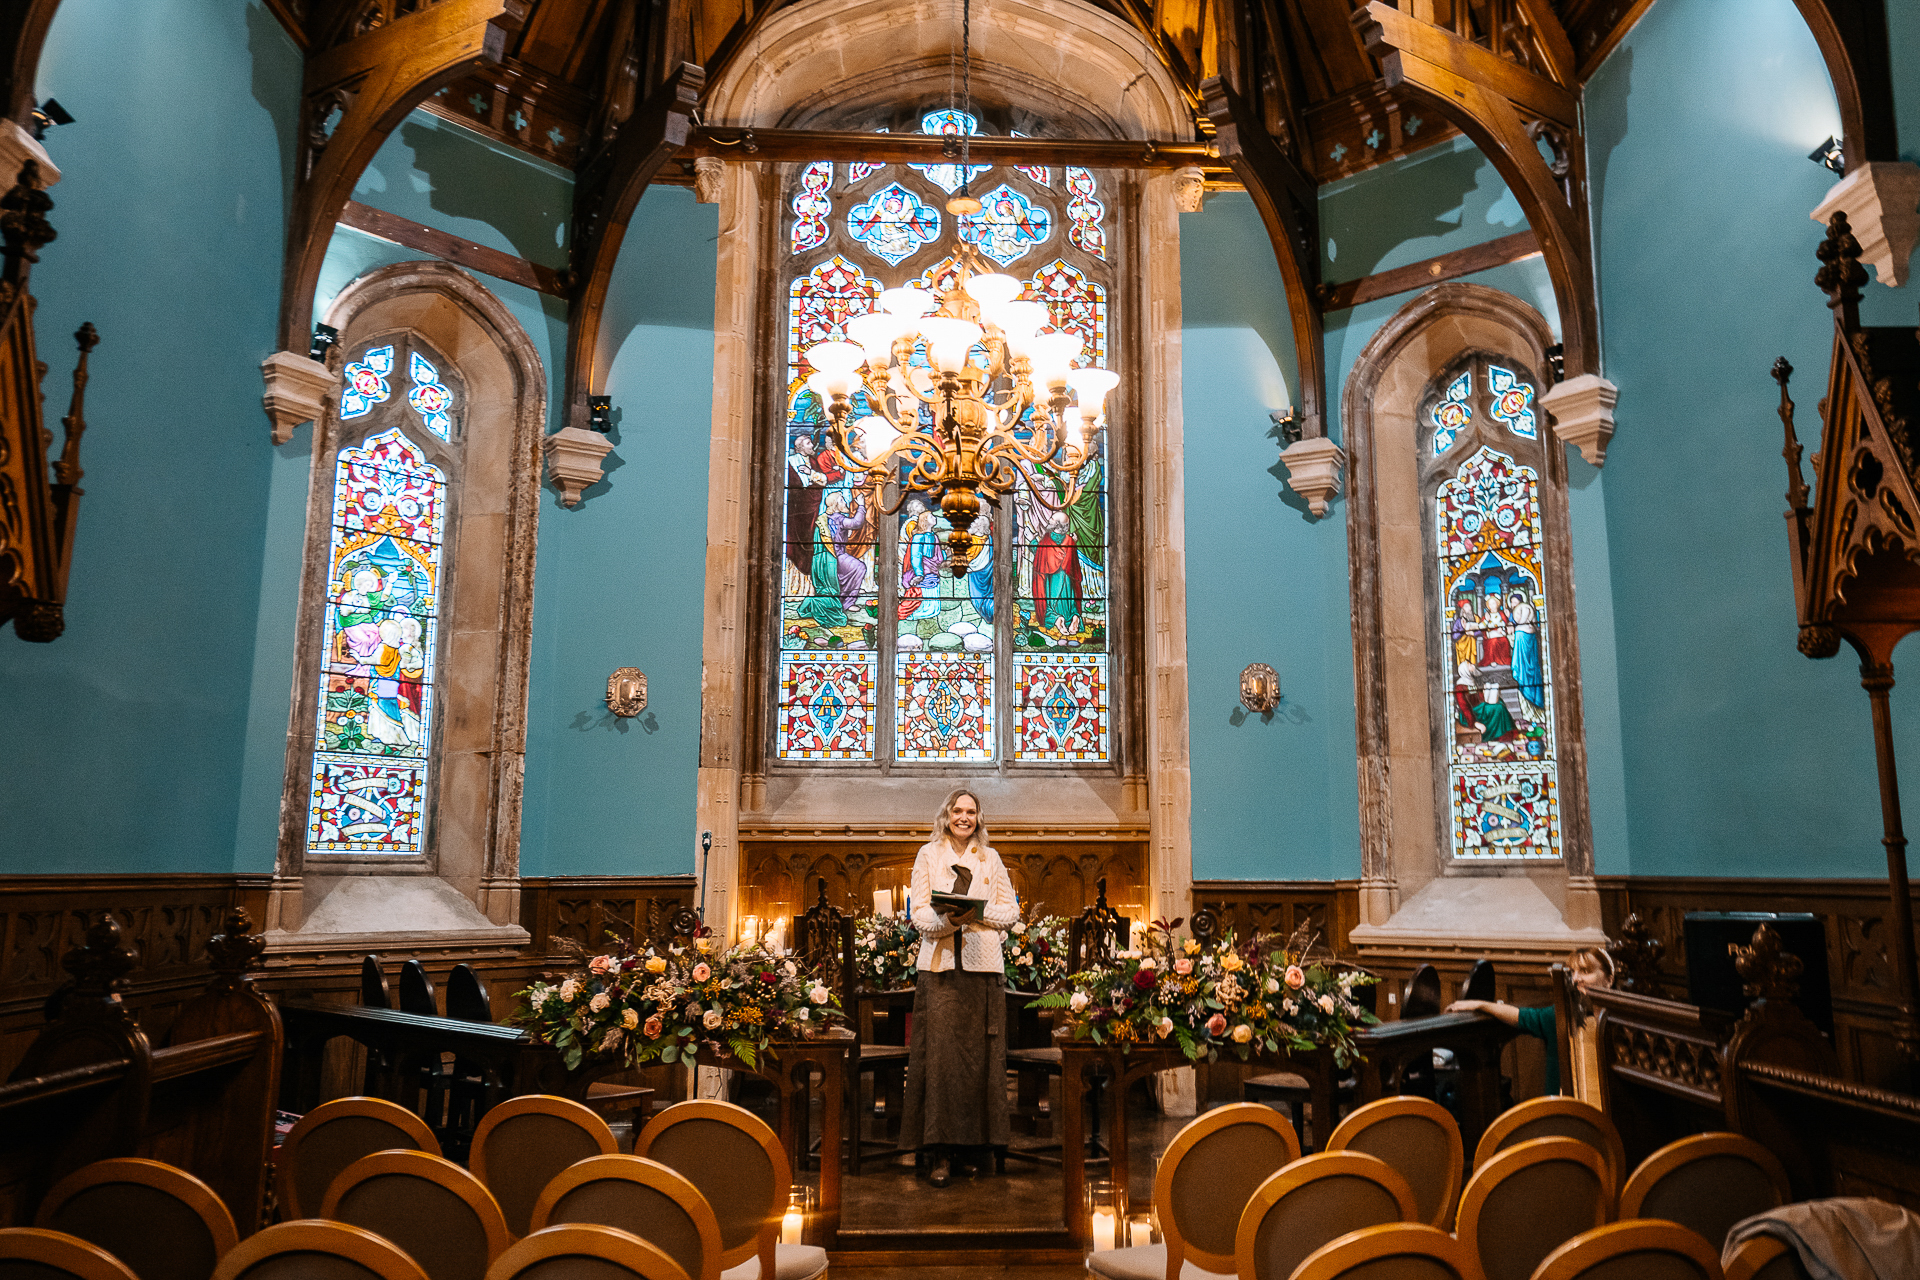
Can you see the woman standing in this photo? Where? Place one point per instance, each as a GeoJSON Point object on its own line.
{"type": "Point", "coordinates": [957, 1062]}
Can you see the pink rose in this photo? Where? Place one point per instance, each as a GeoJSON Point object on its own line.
{"type": "Point", "coordinates": [1183, 966]}
{"type": "Point", "coordinates": [600, 964]}
{"type": "Point", "coordinates": [1216, 1024]}
{"type": "Point", "coordinates": [701, 973]}
{"type": "Point", "coordinates": [1295, 977]}
{"type": "Point", "coordinates": [652, 1029]}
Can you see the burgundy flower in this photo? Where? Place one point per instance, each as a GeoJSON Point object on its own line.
{"type": "Point", "coordinates": [1144, 979]}
{"type": "Point", "coordinates": [768, 978]}
{"type": "Point", "coordinates": [1216, 1024]}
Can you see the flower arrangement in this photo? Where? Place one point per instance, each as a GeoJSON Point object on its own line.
{"type": "Point", "coordinates": [1262, 995]}
{"type": "Point", "coordinates": [1036, 953]}
{"type": "Point", "coordinates": [662, 1004]}
{"type": "Point", "coordinates": [886, 950]}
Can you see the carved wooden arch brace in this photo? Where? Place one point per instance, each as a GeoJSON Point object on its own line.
{"type": "Point", "coordinates": [373, 80]}
{"type": "Point", "coordinates": [1852, 35]}
{"type": "Point", "coordinates": [1491, 100]}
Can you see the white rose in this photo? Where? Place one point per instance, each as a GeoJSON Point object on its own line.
{"type": "Point", "coordinates": [1079, 1001]}
{"type": "Point", "coordinates": [1149, 963]}
{"type": "Point", "coordinates": [803, 1014]}
{"type": "Point", "coordinates": [819, 994]}
{"type": "Point", "coordinates": [712, 1019]}
{"type": "Point", "coordinates": [1290, 1006]}
{"type": "Point", "coordinates": [1273, 985]}
{"type": "Point", "coordinates": [1165, 1028]}
{"type": "Point", "coordinates": [792, 968]}
{"type": "Point", "coordinates": [1326, 1004]}
{"type": "Point", "coordinates": [599, 1002]}
{"type": "Point", "coordinates": [1019, 928]}
{"type": "Point", "coordinates": [569, 989]}
{"type": "Point", "coordinates": [1027, 959]}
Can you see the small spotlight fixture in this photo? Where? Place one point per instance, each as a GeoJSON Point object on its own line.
{"type": "Point", "coordinates": [1830, 154]}
{"type": "Point", "coordinates": [324, 338]}
{"type": "Point", "coordinates": [46, 116]}
{"type": "Point", "coordinates": [1287, 423]}
{"type": "Point", "coordinates": [600, 413]}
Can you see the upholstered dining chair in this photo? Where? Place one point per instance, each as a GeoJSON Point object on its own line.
{"type": "Point", "coordinates": [1313, 1202]}
{"type": "Point", "coordinates": [1640, 1248]}
{"type": "Point", "coordinates": [1764, 1258]}
{"type": "Point", "coordinates": [1526, 1201]}
{"type": "Point", "coordinates": [1421, 1140]}
{"type": "Point", "coordinates": [313, 1250]}
{"type": "Point", "coordinates": [34, 1253]}
{"type": "Point", "coordinates": [162, 1222]}
{"type": "Point", "coordinates": [1706, 1183]}
{"type": "Point", "coordinates": [1400, 1251]}
{"type": "Point", "coordinates": [643, 1198]}
{"type": "Point", "coordinates": [335, 1134]}
{"type": "Point", "coordinates": [584, 1252]}
{"type": "Point", "coordinates": [738, 1164]}
{"type": "Point", "coordinates": [1556, 1118]}
{"type": "Point", "coordinates": [522, 1143]}
{"type": "Point", "coordinates": [441, 1215]}
{"type": "Point", "coordinates": [1207, 1176]}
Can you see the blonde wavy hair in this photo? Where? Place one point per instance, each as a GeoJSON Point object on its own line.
{"type": "Point", "coordinates": [943, 830]}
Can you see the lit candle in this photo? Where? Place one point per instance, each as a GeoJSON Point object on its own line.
{"type": "Point", "coordinates": [883, 902]}
{"type": "Point", "coordinates": [1103, 1229]}
{"type": "Point", "coordinates": [1140, 1229]}
{"type": "Point", "coordinates": [790, 1226]}
{"type": "Point", "coordinates": [750, 930]}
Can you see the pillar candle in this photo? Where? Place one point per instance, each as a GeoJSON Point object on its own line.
{"type": "Point", "coordinates": [1103, 1226]}
{"type": "Point", "coordinates": [883, 902]}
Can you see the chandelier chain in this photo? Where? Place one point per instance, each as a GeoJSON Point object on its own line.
{"type": "Point", "coordinates": [966, 89]}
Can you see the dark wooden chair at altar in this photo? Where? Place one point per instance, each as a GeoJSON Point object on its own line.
{"type": "Point", "coordinates": [823, 937]}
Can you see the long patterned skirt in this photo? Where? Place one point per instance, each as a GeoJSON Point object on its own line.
{"type": "Point", "coordinates": [957, 1063]}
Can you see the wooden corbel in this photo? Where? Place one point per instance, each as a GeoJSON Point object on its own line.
{"type": "Point", "coordinates": [371, 81]}
{"type": "Point", "coordinates": [1288, 200]}
{"type": "Point", "coordinates": [1507, 111]}
{"type": "Point", "coordinates": [609, 188]}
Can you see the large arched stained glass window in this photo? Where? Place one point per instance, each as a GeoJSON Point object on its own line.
{"type": "Point", "coordinates": [1489, 584]}
{"type": "Point", "coordinates": [884, 656]}
{"type": "Point", "coordinates": [386, 561]}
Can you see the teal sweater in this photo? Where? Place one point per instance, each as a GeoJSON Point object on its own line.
{"type": "Point", "coordinates": [1539, 1023]}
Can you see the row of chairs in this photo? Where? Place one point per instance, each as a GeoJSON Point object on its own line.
{"type": "Point", "coordinates": [1234, 1195]}
{"type": "Point", "coordinates": [707, 1191]}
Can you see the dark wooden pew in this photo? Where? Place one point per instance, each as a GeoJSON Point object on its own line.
{"type": "Point", "coordinates": [92, 1087]}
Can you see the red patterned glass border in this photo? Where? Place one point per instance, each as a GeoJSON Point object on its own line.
{"type": "Point", "coordinates": [826, 707]}
{"type": "Point", "coordinates": [944, 707]}
{"type": "Point", "coordinates": [1061, 702]}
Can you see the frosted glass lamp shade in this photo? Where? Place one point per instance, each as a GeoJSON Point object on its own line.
{"type": "Point", "coordinates": [876, 436]}
{"type": "Point", "coordinates": [907, 301]}
{"type": "Point", "coordinates": [1091, 386]}
{"type": "Point", "coordinates": [875, 332]}
{"type": "Point", "coordinates": [835, 357]}
{"type": "Point", "coordinates": [1052, 354]}
{"type": "Point", "coordinates": [993, 290]}
{"type": "Point", "coordinates": [949, 340]}
{"type": "Point", "coordinates": [1018, 322]}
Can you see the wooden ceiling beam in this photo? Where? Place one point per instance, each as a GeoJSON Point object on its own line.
{"type": "Point", "coordinates": [372, 81]}
{"type": "Point", "coordinates": [1330, 30]}
{"type": "Point", "coordinates": [733, 143]}
{"type": "Point", "coordinates": [1555, 49]}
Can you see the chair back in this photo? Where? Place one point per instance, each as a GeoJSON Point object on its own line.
{"type": "Point", "coordinates": [467, 996]}
{"type": "Point", "coordinates": [1528, 1200]}
{"type": "Point", "coordinates": [335, 1134]}
{"type": "Point", "coordinates": [1480, 982]}
{"type": "Point", "coordinates": [433, 1209]}
{"type": "Point", "coordinates": [34, 1253]}
{"type": "Point", "coordinates": [162, 1222]}
{"type": "Point", "coordinates": [1421, 999]}
{"type": "Point", "coordinates": [1640, 1248]}
{"type": "Point", "coordinates": [416, 990]}
{"type": "Point", "coordinates": [1091, 935]}
{"type": "Point", "coordinates": [1209, 1173]}
{"type": "Point", "coordinates": [643, 1198]}
{"type": "Point", "coordinates": [583, 1252]}
{"type": "Point", "coordinates": [1566, 1016]}
{"type": "Point", "coordinates": [1706, 1183]}
{"type": "Point", "coordinates": [1421, 1140]}
{"type": "Point", "coordinates": [1313, 1202]}
{"type": "Point", "coordinates": [1400, 1251]}
{"type": "Point", "coordinates": [522, 1143]}
{"type": "Point", "coordinates": [314, 1250]}
{"type": "Point", "coordinates": [736, 1162]}
{"type": "Point", "coordinates": [1765, 1258]}
{"type": "Point", "coordinates": [823, 937]}
{"type": "Point", "coordinates": [1556, 1118]}
{"type": "Point", "coordinates": [373, 984]}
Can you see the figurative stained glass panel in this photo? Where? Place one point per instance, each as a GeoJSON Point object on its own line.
{"type": "Point", "coordinates": [894, 223]}
{"type": "Point", "coordinates": [826, 706]}
{"type": "Point", "coordinates": [430, 397]}
{"type": "Point", "coordinates": [811, 207]}
{"type": "Point", "coordinates": [1085, 214]}
{"type": "Point", "coordinates": [1502, 765]}
{"type": "Point", "coordinates": [365, 382]}
{"type": "Point", "coordinates": [1452, 412]}
{"type": "Point", "coordinates": [1060, 560]}
{"type": "Point", "coordinates": [1076, 305]}
{"type": "Point", "coordinates": [948, 177]}
{"type": "Point", "coordinates": [1008, 225]}
{"type": "Point", "coordinates": [374, 720]}
{"type": "Point", "coordinates": [819, 304]}
{"type": "Point", "coordinates": [829, 594]}
{"type": "Point", "coordinates": [1062, 706]}
{"type": "Point", "coordinates": [1512, 405]}
{"type": "Point", "coordinates": [944, 706]}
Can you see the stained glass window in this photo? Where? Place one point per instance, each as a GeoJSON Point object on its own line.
{"type": "Point", "coordinates": [1452, 412]}
{"type": "Point", "coordinates": [365, 384]}
{"type": "Point", "coordinates": [1502, 763]}
{"type": "Point", "coordinates": [380, 620]}
{"type": "Point", "coordinates": [811, 207]}
{"type": "Point", "coordinates": [1088, 215]}
{"type": "Point", "coordinates": [1512, 404]}
{"type": "Point", "coordinates": [1011, 663]}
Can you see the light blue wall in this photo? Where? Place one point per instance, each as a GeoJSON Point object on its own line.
{"type": "Point", "coordinates": [123, 749]}
{"type": "Point", "coordinates": [1274, 797]}
{"type": "Point", "coordinates": [1740, 757]}
{"type": "Point", "coordinates": [621, 578]}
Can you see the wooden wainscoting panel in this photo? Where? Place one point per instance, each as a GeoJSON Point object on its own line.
{"type": "Point", "coordinates": [600, 913]}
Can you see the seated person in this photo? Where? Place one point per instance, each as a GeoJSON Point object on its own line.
{"type": "Point", "coordinates": [1590, 967]}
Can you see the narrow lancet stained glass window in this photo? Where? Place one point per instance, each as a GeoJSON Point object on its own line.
{"type": "Point", "coordinates": [366, 382]}
{"type": "Point", "coordinates": [1452, 412]}
{"type": "Point", "coordinates": [430, 397]}
{"type": "Point", "coordinates": [1512, 404]}
{"type": "Point", "coordinates": [812, 207]}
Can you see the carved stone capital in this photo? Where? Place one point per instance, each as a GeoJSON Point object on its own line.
{"type": "Point", "coordinates": [707, 172]}
{"type": "Point", "coordinates": [574, 455]}
{"type": "Point", "coordinates": [297, 390]}
{"type": "Point", "coordinates": [17, 146]}
{"type": "Point", "coordinates": [1582, 409]}
{"type": "Point", "coordinates": [1189, 187]}
{"type": "Point", "coordinates": [1882, 202]}
{"type": "Point", "coordinates": [1315, 468]}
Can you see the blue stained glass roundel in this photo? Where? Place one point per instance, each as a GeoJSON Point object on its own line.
{"type": "Point", "coordinates": [430, 397]}
{"type": "Point", "coordinates": [1452, 413]}
{"type": "Point", "coordinates": [366, 382]}
{"type": "Point", "coordinates": [1007, 226]}
{"type": "Point", "coordinates": [1512, 402]}
{"type": "Point", "coordinates": [894, 224]}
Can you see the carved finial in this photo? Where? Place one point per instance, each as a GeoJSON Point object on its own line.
{"type": "Point", "coordinates": [67, 470]}
{"type": "Point", "coordinates": [822, 901]}
{"type": "Point", "coordinates": [23, 221]}
{"type": "Point", "coordinates": [1841, 277]}
{"type": "Point", "coordinates": [1204, 924]}
{"type": "Point", "coordinates": [237, 948]}
{"type": "Point", "coordinates": [1636, 958]}
{"type": "Point", "coordinates": [1796, 485]}
{"type": "Point", "coordinates": [1767, 971]}
{"type": "Point", "coordinates": [99, 964]}
{"type": "Point", "coordinates": [1100, 894]}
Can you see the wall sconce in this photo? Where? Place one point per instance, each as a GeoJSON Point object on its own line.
{"type": "Point", "coordinates": [627, 692]}
{"type": "Point", "coordinates": [46, 116]}
{"type": "Point", "coordinates": [1288, 423]}
{"type": "Point", "coordinates": [323, 340]}
{"type": "Point", "coordinates": [1830, 154]}
{"type": "Point", "coordinates": [600, 413]}
{"type": "Point", "coordinates": [1259, 688]}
